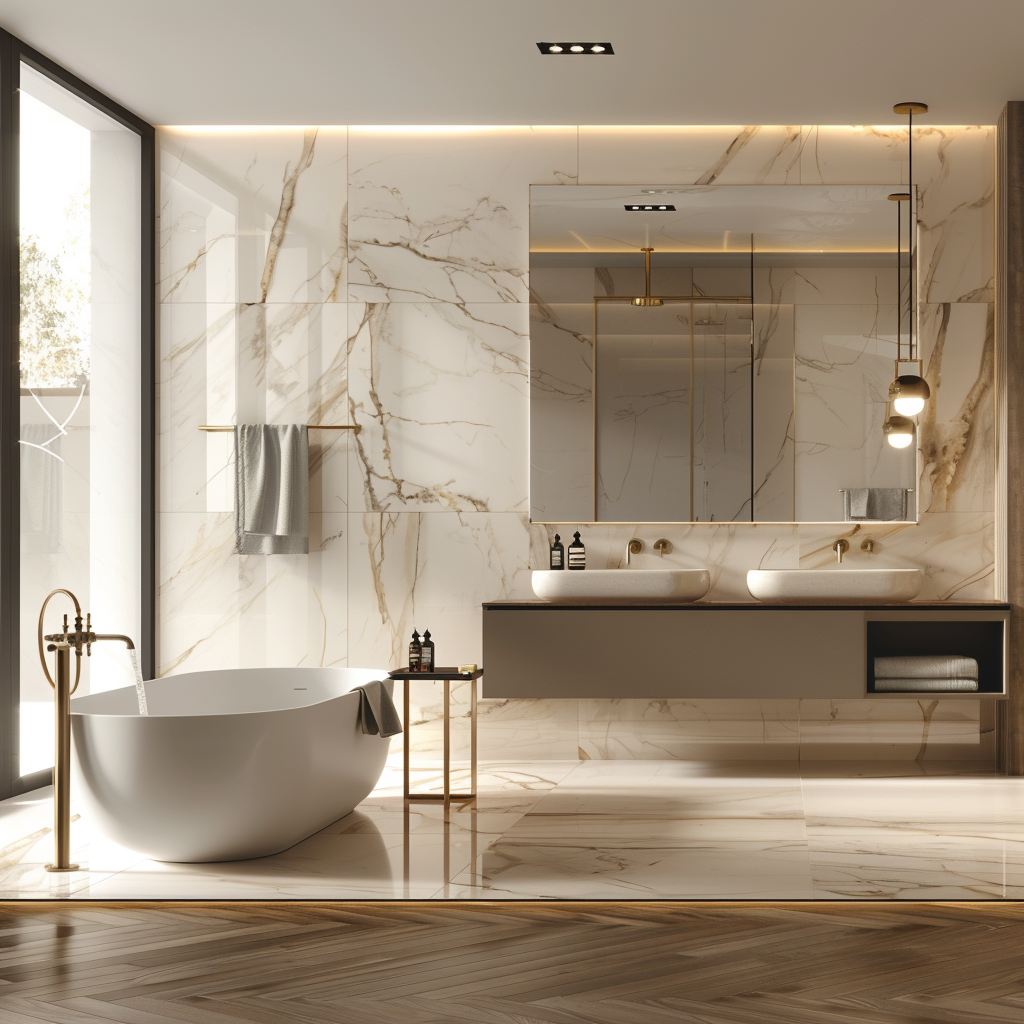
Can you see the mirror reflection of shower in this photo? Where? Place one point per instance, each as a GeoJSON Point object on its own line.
{"type": "Point", "coordinates": [673, 420]}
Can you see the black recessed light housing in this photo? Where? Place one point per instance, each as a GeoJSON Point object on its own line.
{"type": "Point", "coordinates": [576, 48]}
{"type": "Point", "coordinates": [648, 207]}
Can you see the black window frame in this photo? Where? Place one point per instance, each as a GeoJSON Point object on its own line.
{"type": "Point", "coordinates": [14, 52]}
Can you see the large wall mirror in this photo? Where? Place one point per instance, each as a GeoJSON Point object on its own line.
{"type": "Point", "coordinates": [717, 353]}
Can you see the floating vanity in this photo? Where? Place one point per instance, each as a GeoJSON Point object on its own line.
{"type": "Point", "coordinates": [708, 650]}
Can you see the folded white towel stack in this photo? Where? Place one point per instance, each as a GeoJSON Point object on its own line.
{"type": "Point", "coordinates": [926, 673]}
{"type": "Point", "coordinates": [925, 685]}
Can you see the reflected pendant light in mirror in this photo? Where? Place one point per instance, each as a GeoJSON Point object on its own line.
{"type": "Point", "coordinates": [909, 391]}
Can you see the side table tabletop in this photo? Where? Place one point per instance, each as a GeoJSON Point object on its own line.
{"type": "Point", "coordinates": [447, 676]}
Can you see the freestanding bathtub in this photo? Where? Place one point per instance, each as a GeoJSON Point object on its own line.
{"type": "Point", "coordinates": [227, 765]}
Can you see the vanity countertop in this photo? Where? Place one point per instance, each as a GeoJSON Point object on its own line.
{"type": "Point", "coordinates": [872, 606]}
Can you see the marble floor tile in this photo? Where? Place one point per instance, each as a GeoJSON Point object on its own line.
{"type": "Point", "coordinates": [615, 830]}
{"type": "Point", "coordinates": [563, 868]}
{"type": "Point", "coordinates": [908, 867]}
{"type": "Point", "coordinates": [951, 806]}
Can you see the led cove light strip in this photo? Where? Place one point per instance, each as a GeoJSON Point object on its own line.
{"type": "Point", "coordinates": [634, 206]}
{"type": "Point", "coordinates": [573, 48]}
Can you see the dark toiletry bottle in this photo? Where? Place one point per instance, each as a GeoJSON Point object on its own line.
{"type": "Point", "coordinates": [557, 554]}
{"type": "Point", "coordinates": [427, 656]}
{"type": "Point", "coordinates": [415, 653]}
{"type": "Point", "coordinates": [577, 553]}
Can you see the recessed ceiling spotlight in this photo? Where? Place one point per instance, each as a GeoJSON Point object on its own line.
{"type": "Point", "coordinates": [566, 48]}
{"type": "Point", "coordinates": [649, 207]}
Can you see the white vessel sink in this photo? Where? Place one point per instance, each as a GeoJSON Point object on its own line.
{"type": "Point", "coordinates": [835, 584]}
{"type": "Point", "coordinates": [596, 586]}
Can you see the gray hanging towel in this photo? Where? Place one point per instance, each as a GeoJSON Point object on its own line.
{"type": "Point", "coordinates": [271, 489]}
{"type": "Point", "coordinates": [42, 489]}
{"type": "Point", "coordinates": [926, 666]}
{"type": "Point", "coordinates": [875, 503]}
{"type": "Point", "coordinates": [377, 712]}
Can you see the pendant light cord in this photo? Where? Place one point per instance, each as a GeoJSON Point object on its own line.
{"type": "Point", "coordinates": [913, 221]}
{"type": "Point", "coordinates": [899, 283]}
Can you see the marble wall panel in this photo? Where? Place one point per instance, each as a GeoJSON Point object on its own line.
{"type": "Point", "coordinates": [253, 216]}
{"type": "Point", "coordinates": [441, 393]}
{"type": "Point", "coordinates": [428, 570]}
{"type": "Point", "coordinates": [954, 169]}
{"type": "Point", "coordinates": [955, 550]}
{"type": "Point", "coordinates": [957, 426]}
{"type": "Point", "coordinates": [722, 155]}
{"type": "Point", "coordinates": [439, 228]}
{"type": "Point", "coordinates": [853, 154]}
{"type": "Point", "coordinates": [442, 215]}
{"type": "Point", "coordinates": [218, 609]}
{"type": "Point", "coordinates": [659, 730]}
{"type": "Point", "coordinates": [893, 730]}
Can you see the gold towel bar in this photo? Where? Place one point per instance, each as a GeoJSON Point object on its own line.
{"type": "Point", "coordinates": [311, 426]}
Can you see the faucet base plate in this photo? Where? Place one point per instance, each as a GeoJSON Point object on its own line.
{"type": "Point", "coordinates": [53, 867]}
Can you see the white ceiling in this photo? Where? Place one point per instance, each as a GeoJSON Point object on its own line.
{"type": "Point", "coordinates": [476, 62]}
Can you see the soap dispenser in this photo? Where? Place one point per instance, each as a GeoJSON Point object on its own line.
{"type": "Point", "coordinates": [415, 653]}
{"type": "Point", "coordinates": [557, 554]}
{"type": "Point", "coordinates": [577, 553]}
{"type": "Point", "coordinates": [427, 653]}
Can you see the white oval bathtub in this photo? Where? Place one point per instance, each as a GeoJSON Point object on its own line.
{"type": "Point", "coordinates": [227, 765]}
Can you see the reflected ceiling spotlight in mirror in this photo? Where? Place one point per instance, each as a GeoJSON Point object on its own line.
{"type": "Point", "coordinates": [909, 391]}
{"type": "Point", "coordinates": [646, 299]}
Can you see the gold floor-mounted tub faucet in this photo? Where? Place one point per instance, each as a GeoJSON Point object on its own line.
{"type": "Point", "coordinates": [62, 645]}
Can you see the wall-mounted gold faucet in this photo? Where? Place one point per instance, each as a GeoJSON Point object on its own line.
{"type": "Point", "coordinates": [62, 645]}
{"type": "Point", "coordinates": [840, 547]}
{"type": "Point", "coordinates": [634, 547]}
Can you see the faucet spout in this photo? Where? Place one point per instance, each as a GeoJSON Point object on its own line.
{"type": "Point", "coordinates": [634, 547]}
{"type": "Point", "coordinates": [840, 547]}
{"type": "Point", "coordinates": [126, 640]}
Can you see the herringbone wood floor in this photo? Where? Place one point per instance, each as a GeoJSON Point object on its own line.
{"type": "Point", "coordinates": [418, 963]}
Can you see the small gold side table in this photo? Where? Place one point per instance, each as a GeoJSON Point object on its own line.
{"type": "Point", "coordinates": [447, 676]}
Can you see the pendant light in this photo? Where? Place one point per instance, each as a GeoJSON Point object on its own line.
{"type": "Point", "coordinates": [646, 299]}
{"type": "Point", "coordinates": [909, 391]}
{"type": "Point", "coordinates": [898, 428]}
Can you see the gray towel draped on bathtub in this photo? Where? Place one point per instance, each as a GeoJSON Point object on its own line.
{"type": "Point", "coordinates": [377, 712]}
{"type": "Point", "coordinates": [271, 489]}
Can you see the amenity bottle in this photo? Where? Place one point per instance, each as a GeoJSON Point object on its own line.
{"type": "Point", "coordinates": [427, 653]}
{"type": "Point", "coordinates": [415, 653]}
{"type": "Point", "coordinates": [557, 560]}
{"type": "Point", "coordinates": [577, 553]}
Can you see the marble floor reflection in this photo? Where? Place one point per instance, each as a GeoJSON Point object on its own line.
{"type": "Point", "coordinates": [595, 830]}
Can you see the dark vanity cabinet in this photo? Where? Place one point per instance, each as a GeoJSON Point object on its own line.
{"type": "Point", "coordinates": [702, 650]}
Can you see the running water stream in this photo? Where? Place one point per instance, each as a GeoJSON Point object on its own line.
{"type": "Point", "coordinates": [140, 686]}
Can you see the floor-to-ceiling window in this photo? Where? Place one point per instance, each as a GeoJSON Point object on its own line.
{"type": "Point", "coordinates": [76, 512]}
